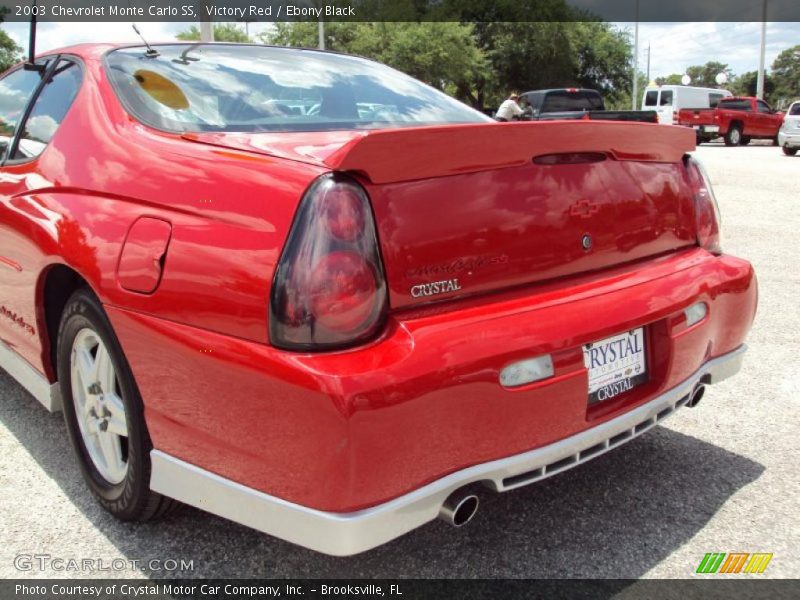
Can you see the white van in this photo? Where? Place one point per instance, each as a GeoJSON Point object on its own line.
{"type": "Point", "coordinates": [667, 100]}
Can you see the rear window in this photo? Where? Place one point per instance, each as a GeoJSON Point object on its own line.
{"type": "Point", "coordinates": [666, 98]}
{"type": "Point", "coordinates": [203, 87]}
{"type": "Point", "coordinates": [566, 101]}
{"type": "Point", "coordinates": [734, 104]}
{"type": "Point", "coordinates": [713, 99]}
{"type": "Point", "coordinates": [794, 109]}
{"type": "Point", "coordinates": [651, 98]}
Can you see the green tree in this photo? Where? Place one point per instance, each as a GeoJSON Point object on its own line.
{"type": "Point", "coordinates": [10, 53]}
{"type": "Point", "coordinates": [786, 74]}
{"type": "Point", "coordinates": [746, 84]}
{"type": "Point", "coordinates": [223, 32]}
{"type": "Point", "coordinates": [673, 79]}
{"type": "Point", "coordinates": [338, 36]}
{"type": "Point", "coordinates": [706, 75]}
{"type": "Point", "coordinates": [442, 54]}
{"type": "Point", "coordinates": [481, 62]}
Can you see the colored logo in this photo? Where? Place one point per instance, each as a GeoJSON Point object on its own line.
{"type": "Point", "coordinates": [734, 562]}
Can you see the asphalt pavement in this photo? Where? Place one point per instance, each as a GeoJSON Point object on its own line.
{"type": "Point", "coordinates": [722, 477]}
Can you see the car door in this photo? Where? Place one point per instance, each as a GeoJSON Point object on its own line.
{"type": "Point", "coordinates": [764, 118]}
{"type": "Point", "coordinates": [32, 105]}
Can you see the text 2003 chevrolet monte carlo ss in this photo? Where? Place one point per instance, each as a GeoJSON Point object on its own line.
{"type": "Point", "coordinates": [308, 293]}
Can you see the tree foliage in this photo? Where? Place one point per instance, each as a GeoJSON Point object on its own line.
{"type": "Point", "coordinates": [746, 84]}
{"type": "Point", "coordinates": [786, 74]}
{"type": "Point", "coordinates": [673, 79]}
{"type": "Point", "coordinates": [706, 75]}
{"type": "Point", "coordinates": [223, 32]}
{"type": "Point", "coordinates": [10, 53]}
{"type": "Point", "coordinates": [480, 63]}
{"type": "Point", "coordinates": [442, 54]}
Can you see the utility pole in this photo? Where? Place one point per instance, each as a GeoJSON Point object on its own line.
{"type": "Point", "coordinates": [206, 27]}
{"type": "Point", "coordinates": [648, 63]}
{"type": "Point", "coordinates": [635, 96]}
{"type": "Point", "coordinates": [760, 84]}
{"type": "Point", "coordinates": [321, 34]}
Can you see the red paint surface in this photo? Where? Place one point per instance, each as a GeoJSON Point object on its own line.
{"type": "Point", "coordinates": [752, 123]}
{"type": "Point", "coordinates": [343, 430]}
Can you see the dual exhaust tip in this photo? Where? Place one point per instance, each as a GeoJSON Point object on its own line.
{"type": "Point", "coordinates": [696, 395]}
{"type": "Point", "coordinates": [459, 508]}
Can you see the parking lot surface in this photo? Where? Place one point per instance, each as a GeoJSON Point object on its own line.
{"type": "Point", "coordinates": [722, 477]}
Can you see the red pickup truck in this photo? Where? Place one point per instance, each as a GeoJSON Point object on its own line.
{"type": "Point", "coordinates": [737, 119]}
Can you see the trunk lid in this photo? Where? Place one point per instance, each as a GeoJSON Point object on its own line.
{"type": "Point", "coordinates": [462, 210]}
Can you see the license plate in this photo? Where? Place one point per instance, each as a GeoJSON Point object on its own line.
{"type": "Point", "coordinates": [713, 128]}
{"type": "Point", "coordinates": [616, 365]}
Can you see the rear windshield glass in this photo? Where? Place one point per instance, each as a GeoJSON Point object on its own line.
{"type": "Point", "coordinates": [564, 101]}
{"type": "Point", "coordinates": [651, 98]}
{"type": "Point", "coordinates": [713, 99]}
{"type": "Point", "coordinates": [666, 98]}
{"type": "Point", "coordinates": [201, 87]}
{"type": "Point", "coordinates": [734, 104]}
{"type": "Point", "coordinates": [794, 110]}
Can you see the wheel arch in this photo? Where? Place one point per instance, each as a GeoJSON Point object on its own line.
{"type": "Point", "coordinates": [57, 283]}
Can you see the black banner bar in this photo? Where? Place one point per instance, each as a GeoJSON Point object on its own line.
{"type": "Point", "coordinates": [400, 10]}
{"type": "Point", "coordinates": [710, 588]}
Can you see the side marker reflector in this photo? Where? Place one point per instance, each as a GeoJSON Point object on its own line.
{"type": "Point", "coordinates": [527, 371]}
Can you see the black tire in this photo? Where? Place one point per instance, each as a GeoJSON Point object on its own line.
{"type": "Point", "coordinates": [131, 499]}
{"type": "Point", "coordinates": [745, 140]}
{"type": "Point", "coordinates": [789, 151]}
{"type": "Point", "coordinates": [734, 136]}
{"type": "Point", "coordinates": [775, 141]}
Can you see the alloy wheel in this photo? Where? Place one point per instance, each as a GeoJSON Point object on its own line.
{"type": "Point", "coordinates": [98, 404]}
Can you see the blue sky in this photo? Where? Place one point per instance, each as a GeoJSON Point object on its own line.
{"type": "Point", "coordinates": [674, 46]}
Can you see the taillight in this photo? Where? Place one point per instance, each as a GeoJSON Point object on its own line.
{"type": "Point", "coordinates": [707, 217]}
{"type": "Point", "coordinates": [329, 290]}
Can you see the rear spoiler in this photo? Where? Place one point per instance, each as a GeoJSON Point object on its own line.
{"type": "Point", "coordinates": [404, 154]}
{"type": "Point", "coordinates": [391, 155]}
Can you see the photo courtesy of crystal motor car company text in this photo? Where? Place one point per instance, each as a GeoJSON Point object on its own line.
{"type": "Point", "coordinates": [405, 299]}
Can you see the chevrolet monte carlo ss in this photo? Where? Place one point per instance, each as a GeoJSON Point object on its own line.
{"type": "Point", "coordinates": [310, 294]}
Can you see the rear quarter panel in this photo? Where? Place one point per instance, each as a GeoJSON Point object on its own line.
{"type": "Point", "coordinates": [230, 213]}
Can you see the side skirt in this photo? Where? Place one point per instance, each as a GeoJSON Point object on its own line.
{"type": "Point", "coordinates": [31, 379]}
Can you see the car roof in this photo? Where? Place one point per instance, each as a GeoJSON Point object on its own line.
{"type": "Point", "coordinates": [96, 50]}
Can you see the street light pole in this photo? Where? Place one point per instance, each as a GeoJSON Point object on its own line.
{"type": "Point", "coordinates": [635, 95]}
{"type": "Point", "coordinates": [206, 27]}
{"type": "Point", "coordinates": [760, 84]}
{"type": "Point", "coordinates": [321, 34]}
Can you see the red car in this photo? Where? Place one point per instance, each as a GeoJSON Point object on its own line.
{"type": "Point", "coordinates": [736, 120]}
{"type": "Point", "coordinates": [310, 294]}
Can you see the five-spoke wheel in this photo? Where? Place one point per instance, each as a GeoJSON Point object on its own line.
{"type": "Point", "coordinates": [98, 405]}
{"type": "Point", "coordinates": [104, 412]}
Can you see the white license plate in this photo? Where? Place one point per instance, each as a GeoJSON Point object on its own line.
{"type": "Point", "coordinates": [616, 365]}
{"type": "Point", "coordinates": [713, 128]}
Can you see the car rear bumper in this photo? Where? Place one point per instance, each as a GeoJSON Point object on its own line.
{"type": "Point", "coordinates": [792, 140]}
{"type": "Point", "coordinates": [343, 431]}
{"type": "Point", "coordinates": [345, 534]}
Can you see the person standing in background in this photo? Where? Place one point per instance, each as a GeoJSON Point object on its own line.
{"type": "Point", "coordinates": [509, 109]}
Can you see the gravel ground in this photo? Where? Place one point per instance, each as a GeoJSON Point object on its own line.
{"type": "Point", "coordinates": [719, 478]}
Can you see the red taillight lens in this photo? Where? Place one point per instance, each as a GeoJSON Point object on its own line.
{"type": "Point", "coordinates": [342, 289]}
{"type": "Point", "coordinates": [707, 217]}
{"type": "Point", "coordinates": [329, 289]}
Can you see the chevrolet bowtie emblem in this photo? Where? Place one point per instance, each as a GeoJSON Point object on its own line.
{"type": "Point", "coordinates": [583, 208]}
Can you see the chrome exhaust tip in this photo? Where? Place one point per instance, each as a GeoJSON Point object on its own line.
{"type": "Point", "coordinates": [697, 395]}
{"type": "Point", "coordinates": [459, 508]}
